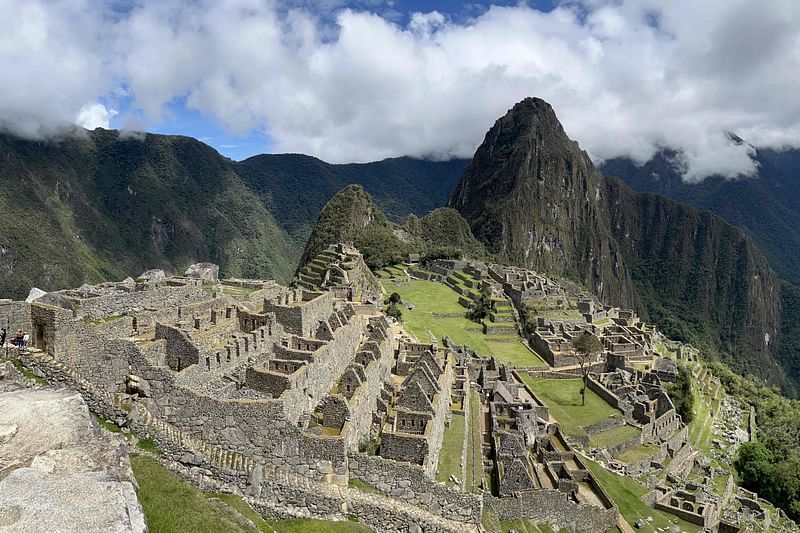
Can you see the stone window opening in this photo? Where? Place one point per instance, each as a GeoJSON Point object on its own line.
{"type": "Point", "coordinates": [228, 357]}
{"type": "Point", "coordinates": [218, 358]}
{"type": "Point", "coordinates": [196, 323]}
{"type": "Point", "coordinates": [227, 312]}
{"type": "Point", "coordinates": [208, 363]}
{"type": "Point", "coordinates": [213, 317]}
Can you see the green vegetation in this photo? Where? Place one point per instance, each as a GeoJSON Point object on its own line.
{"type": "Point", "coordinates": [637, 454]}
{"type": "Point", "coordinates": [173, 506]}
{"type": "Point", "coordinates": [614, 437]}
{"type": "Point", "coordinates": [20, 367]}
{"type": "Point", "coordinates": [479, 309]}
{"type": "Point", "coordinates": [351, 215]}
{"type": "Point", "coordinates": [474, 440]}
{"type": "Point", "coordinates": [100, 208]}
{"type": "Point", "coordinates": [563, 398]}
{"type": "Point", "coordinates": [452, 447]}
{"type": "Point", "coordinates": [681, 394]}
{"type": "Point", "coordinates": [147, 444]}
{"type": "Point", "coordinates": [586, 347]}
{"type": "Point", "coordinates": [627, 494]}
{"type": "Point", "coordinates": [357, 484]}
{"type": "Point", "coordinates": [430, 297]}
{"type": "Point", "coordinates": [771, 466]}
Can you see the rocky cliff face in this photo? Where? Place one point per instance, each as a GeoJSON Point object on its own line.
{"type": "Point", "coordinates": [535, 198]}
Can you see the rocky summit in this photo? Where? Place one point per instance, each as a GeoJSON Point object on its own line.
{"type": "Point", "coordinates": [535, 199]}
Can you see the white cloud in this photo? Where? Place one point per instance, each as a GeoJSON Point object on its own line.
{"type": "Point", "coordinates": [625, 78]}
{"type": "Point", "coordinates": [93, 116]}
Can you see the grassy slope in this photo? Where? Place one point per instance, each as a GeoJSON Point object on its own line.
{"type": "Point", "coordinates": [431, 297]}
{"type": "Point", "coordinates": [95, 208]}
{"type": "Point", "coordinates": [173, 506]}
{"type": "Point", "coordinates": [627, 493]}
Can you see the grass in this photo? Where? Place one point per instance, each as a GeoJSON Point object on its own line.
{"type": "Point", "coordinates": [614, 437]}
{"type": "Point", "coordinates": [22, 370]}
{"type": "Point", "coordinates": [562, 397]}
{"type": "Point", "coordinates": [429, 297]}
{"type": "Point", "coordinates": [357, 484]}
{"type": "Point", "coordinates": [638, 454]}
{"type": "Point", "coordinates": [147, 444]}
{"type": "Point", "coordinates": [627, 494]}
{"type": "Point", "coordinates": [452, 446]}
{"type": "Point", "coordinates": [474, 449]}
{"type": "Point", "coordinates": [700, 431]}
{"type": "Point", "coordinates": [173, 506]}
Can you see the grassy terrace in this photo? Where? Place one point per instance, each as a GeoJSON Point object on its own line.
{"type": "Point", "coordinates": [452, 446]}
{"type": "Point", "coordinates": [563, 398]}
{"type": "Point", "coordinates": [627, 494]}
{"type": "Point", "coordinates": [430, 297]}
{"type": "Point", "coordinates": [700, 431]}
{"type": "Point", "coordinates": [614, 437]}
{"type": "Point", "coordinates": [638, 454]}
{"type": "Point", "coordinates": [474, 452]}
{"type": "Point", "coordinates": [173, 506]}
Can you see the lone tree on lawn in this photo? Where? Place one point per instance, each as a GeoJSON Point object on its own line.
{"type": "Point", "coordinates": [586, 346]}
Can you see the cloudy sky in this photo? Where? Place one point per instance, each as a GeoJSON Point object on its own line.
{"type": "Point", "coordinates": [365, 80]}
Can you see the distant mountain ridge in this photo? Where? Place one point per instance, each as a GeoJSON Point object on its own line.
{"type": "Point", "coordinates": [766, 205]}
{"type": "Point", "coordinates": [295, 187]}
{"type": "Point", "coordinates": [97, 206]}
{"type": "Point", "coordinates": [534, 198]}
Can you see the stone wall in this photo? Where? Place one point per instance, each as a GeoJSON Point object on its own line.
{"type": "Point", "coordinates": [180, 351]}
{"type": "Point", "coordinates": [555, 508]}
{"type": "Point", "coordinates": [15, 316]}
{"type": "Point", "coordinates": [410, 483]}
{"type": "Point", "coordinates": [603, 392]}
{"type": "Point", "coordinates": [364, 402]}
{"type": "Point", "coordinates": [441, 408]}
{"type": "Point", "coordinates": [302, 317]}
{"type": "Point", "coordinates": [329, 362]}
{"type": "Point", "coordinates": [153, 297]}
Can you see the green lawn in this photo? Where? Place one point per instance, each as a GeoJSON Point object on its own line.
{"type": "Point", "coordinates": [429, 297]}
{"type": "Point", "coordinates": [173, 506]}
{"type": "Point", "coordinates": [563, 398]}
{"type": "Point", "coordinates": [614, 437]}
{"type": "Point", "coordinates": [452, 446]}
{"type": "Point", "coordinates": [627, 493]}
{"type": "Point", "coordinates": [637, 454]}
{"type": "Point", "coordinates": [474, 451]}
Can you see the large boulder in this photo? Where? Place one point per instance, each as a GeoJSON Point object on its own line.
{"type": "Point", "coordinates": [61, 472]}
{"type": "Point", "coordinates": [34, 295]}
{"type": "Point", "coordinates": [56, 300]}
{"type": "Point", "coordinates": [204, 271]}
{"type": "Point", "coordinates": [152, 276]}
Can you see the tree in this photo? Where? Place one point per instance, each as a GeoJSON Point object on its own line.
{"type": "Point", "coordinates": [393, 310]}
{"type": "Point", "coordinates": [479, 309]}
{"type": "Point", "coordinates": [681, 395]}
{"type": "Point", "coordinates": [585, 346]}
{"type": "Point", "coordinates": [394, 298]}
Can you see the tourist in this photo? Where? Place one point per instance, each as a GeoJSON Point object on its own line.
{"type": "Point", "coordinates": [26, 338]}
{"type": "Point", "coordinates": [17, 338]}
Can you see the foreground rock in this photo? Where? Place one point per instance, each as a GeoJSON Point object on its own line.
{"type": "Point", "coordinates": [59, 471]}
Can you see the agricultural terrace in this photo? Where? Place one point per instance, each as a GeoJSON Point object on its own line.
{"type": "Point", "coordinates": [430, 298]}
